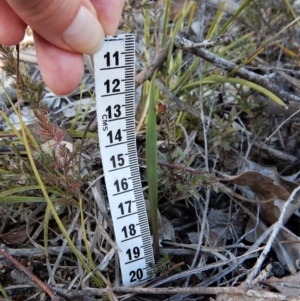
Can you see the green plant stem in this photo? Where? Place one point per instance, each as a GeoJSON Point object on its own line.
{"type": "Point", "coordinates": [151, 155]}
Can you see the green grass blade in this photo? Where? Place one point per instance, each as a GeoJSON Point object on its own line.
{"type": "Point", "coordinates": [291, 9]}
{"type": "Point", "coordinates": [214, 25]}
{"type": "Point", "coordinates": [20, 189]}
{"type": "Point", "coordinates": [84, 236]}
{"type": "Point", "coordinates": [3, 292]}
{"type": "Point", "coordinates": [166, 23]}
{"type": "Point", "coordinates": [46, 229]}
{"type": "Point", "coordinates": [19, 199]}
{"type": "Point", "coordinates": [147, 26]}
{"type": "Point", "coordinates": [244, 6]}
{"type": "Point", "coordinates": [170, 68]}
{"type": "Point", "coordinates": [151, 157]}
{"type": "Point", "coordinates": [218, 80]}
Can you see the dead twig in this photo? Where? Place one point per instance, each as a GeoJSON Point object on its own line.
{"type": "Point", "coordinates": [161, 56]}
{"type": "Point", "coordinates": [35, 252]}
{"type": "Point", "coordinates": [159, 59]}
{"type": "Point", "coordinates": [275, 152]}
{"type": "Point", "coordinates": [30, 275]}
{"type": "Point", "coordinates": [149, 290]}
{"type": "Point", "coordinates": [222, 40]}
{"type": "Point", "coordinates": [185, 44]}
{"type": "Point", "coordinates": [226, 291]}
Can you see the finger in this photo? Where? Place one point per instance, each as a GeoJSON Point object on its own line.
{"type": "Point", "coordinates": [70, 25]}
{"type": "Point", "coordinates": [12, 28]}
{"type": "Point", "coordinates": [61, 70]}
{"type": "Point", "coordinates": [109, 12]}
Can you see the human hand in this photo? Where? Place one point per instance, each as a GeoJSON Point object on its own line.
{"type": "Point", "coordinates": [63, 30]}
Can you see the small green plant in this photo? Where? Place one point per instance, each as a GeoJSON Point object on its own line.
{"type": "Point", "coordinates": [222, 135]}
{"type": "Point", "coordinates": [164, 264]}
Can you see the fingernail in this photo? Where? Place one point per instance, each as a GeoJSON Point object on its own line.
{"type": "Point", "coordinates": [85, 33]}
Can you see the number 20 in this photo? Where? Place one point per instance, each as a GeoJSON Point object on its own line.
{"type": "Point", "coordinates": [136, 275]}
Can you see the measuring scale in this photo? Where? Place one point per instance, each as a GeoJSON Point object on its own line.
{"type": "Point", "coordinates": [114, 67]}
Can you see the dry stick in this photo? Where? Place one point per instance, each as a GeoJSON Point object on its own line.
{"type": "Point", "coordinates": [226, 291]}
{"type": "Point", "coordinates": [185, 44]}
{"type": "Point", "coordinates": [275, 152]}
{"type": "Point", "coordinates": [159, 59]}
{"type": "Point", "coordinates": [31, 252]}
{"type": "Point", "coordinates": [277, 227]}
{"type": "Point", "coordinates": [150, 290]}
{"type": "Point", "coordinates": [30, 275]}
{"type": "Point", "coordinates": [181, 290]}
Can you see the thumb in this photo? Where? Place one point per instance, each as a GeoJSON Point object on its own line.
{"type": "Point", "coordinates": [69, 25]}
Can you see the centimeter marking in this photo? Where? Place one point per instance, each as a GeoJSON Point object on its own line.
{"type": "Point", "coordinates": [114, 68]}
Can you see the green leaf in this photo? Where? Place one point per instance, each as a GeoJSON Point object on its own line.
{"type": "Point", "coordinates": [151, 159]}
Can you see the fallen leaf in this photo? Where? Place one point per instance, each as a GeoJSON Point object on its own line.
{"type": "Point", "coordinates": [18, 235]}
{"type": "Point", "coordinates": [272, 191]}
{"type": "Point", "coordinates": [265, 189]}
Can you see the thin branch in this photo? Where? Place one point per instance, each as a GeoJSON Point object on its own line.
{"type": "Point", "coordinates": [183, 43]}
{"type": "Point", "coordinates": [228, 291]}
{"type": "Point", "coordinates": [161, 56]}
{"type": "Point", "coordinates": [275, 152]}
{"type": "Point", "coordinates": [222, 40]}
{"type": "Point", "coordinates": [29, 274]}
{"type": "Point", "coordinates": [150, 290]}
{"type": "Point", "coordinates": [32, 252]}
{"type": "Point", "coordinates": [159, 59]}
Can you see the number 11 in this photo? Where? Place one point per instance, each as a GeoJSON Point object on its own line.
{"type": "Point", "coordinates": [115, 56]}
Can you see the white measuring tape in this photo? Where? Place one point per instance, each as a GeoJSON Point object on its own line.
{"type": "Point", "coordinates": [114, 67]}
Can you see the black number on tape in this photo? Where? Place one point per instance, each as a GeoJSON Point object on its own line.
{"type": "Point", "coordinates": [121, 207]}
{"type": "Point", "coordinates": [131, 231]}
{"type": "Point", "coordinates": [136, 275]}
{"type": "Point", "coordinates": [116, 82]}
{"type": "Point", "coordinates": [115, 56]}
{"type": "Point", "coordinates": [135, 252]}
